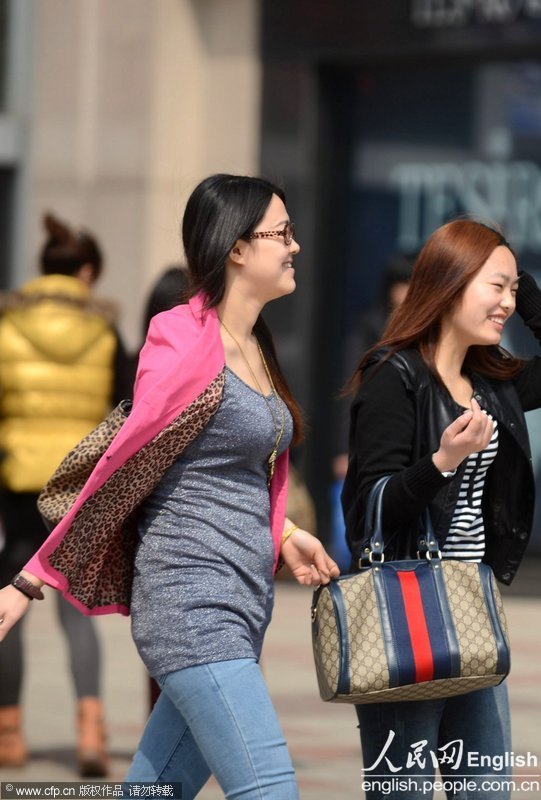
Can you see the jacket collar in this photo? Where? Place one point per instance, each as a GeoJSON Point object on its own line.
{"type": "Point", "coordinates": [197, 305]}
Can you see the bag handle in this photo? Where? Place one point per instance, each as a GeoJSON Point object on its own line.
{"type": "Point", "coordinates": [427, 544]}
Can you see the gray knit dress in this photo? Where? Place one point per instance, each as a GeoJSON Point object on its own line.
{"type": "Point", "coordinates": [203, 588]}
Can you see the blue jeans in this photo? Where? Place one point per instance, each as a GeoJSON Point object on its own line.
{"type": "Point", "coordinates": [216, 719]}
{"type": "Point", "coordinates": [458, 730]}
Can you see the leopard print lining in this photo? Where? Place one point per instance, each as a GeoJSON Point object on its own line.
{"type": "Point", "coordinates": [96, 554]}
{"type": "Point", "coordinates": [63, 488]}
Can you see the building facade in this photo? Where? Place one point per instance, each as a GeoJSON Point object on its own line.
{"type": "Point", "coordinates": [382, 120]}
{"type": "Point", "coordinates": [110, 114]}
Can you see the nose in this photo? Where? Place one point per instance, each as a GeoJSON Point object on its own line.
{"type": "Point", "coordinates": [508, 300]}
{"type": "Point", "coordinates": [294, 247]}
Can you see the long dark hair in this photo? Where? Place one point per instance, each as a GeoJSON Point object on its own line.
{"type": "Point", "coordinates": [67, 249]}
{"type": "Point", "coordinates": [449, 260]}
{"type": "Point", "coordinates": [222, 209]}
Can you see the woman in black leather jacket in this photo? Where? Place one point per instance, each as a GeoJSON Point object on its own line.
{"type": "Point", "coordinates": [440, 407]}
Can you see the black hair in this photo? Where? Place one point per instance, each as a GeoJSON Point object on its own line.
{"type": "Point", "coordinates": [68, 249]}
{"type": "Point", "coordinates": [220, 210]}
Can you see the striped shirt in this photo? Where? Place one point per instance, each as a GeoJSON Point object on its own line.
{"type": "Point", "coordinates": [466, 539]}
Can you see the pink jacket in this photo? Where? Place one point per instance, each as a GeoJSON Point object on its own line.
{"type": "Point", "coordinates": [179, 384]}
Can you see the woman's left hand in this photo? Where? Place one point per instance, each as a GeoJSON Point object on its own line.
{"type": "Point", "coordinates": [307, 559]}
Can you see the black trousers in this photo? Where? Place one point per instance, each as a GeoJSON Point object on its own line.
{"type": "Point", "coordinates": [23, 532]}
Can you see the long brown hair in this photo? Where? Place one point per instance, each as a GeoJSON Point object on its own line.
{"type": "Point", "coordinates": [449, 260]}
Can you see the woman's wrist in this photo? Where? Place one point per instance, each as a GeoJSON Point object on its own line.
{"type": "Point", "coordinates": [442, 465]}
{"type": "Point", "coordinates": [288, 531]}
{"type": "Point", "coordinates": [28, 584]}
{"type": "Point", "coordinates": [32, 578]}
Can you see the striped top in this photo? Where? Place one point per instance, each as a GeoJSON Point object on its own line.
{"type": "Point", "coordinates": [466, 539]}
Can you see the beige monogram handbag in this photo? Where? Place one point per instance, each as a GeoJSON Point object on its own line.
{"type": "Point", "coordinates": [408, 630]}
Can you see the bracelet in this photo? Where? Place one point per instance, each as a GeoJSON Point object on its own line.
{"type": "Point", "coordinates": [287, 533]}
{"type": "Point", "coordinates": [27, 587]}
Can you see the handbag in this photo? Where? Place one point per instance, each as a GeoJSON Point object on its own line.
{"type": "Point", "coordinates": [419, 629]}
{"type": "Point", "coordinates": [64, 486]}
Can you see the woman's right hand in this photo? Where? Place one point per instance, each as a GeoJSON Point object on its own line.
{"type": "Point", "coordinates": [13, 605]}
{"type": "Point", "coordinates": [468, 434]}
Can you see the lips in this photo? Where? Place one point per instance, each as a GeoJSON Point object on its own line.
{"type": "Point", "coordinates": [499, 321]}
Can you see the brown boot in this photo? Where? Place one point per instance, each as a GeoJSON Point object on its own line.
{"type": "Point", "coordinates": [91, 745]}
{"type": "Point", "coordinates": [13, 752]}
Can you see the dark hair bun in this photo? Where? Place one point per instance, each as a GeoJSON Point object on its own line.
{"type": "Point", "coordinates": [67, 249]}
{"type": "Point", "coordinates": [57, 230]}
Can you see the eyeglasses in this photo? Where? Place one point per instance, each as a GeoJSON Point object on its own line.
{"type": "Point", "coordinates": [288, 233]}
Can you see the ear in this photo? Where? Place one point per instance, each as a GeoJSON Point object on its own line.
{"type": "Point", "coordinates": [237, 253]}
{"type": "Point", "coordinates": [85, 273]}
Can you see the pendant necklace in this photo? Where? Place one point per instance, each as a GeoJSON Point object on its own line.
{"type": "Point", "coordinates": [278, 426]}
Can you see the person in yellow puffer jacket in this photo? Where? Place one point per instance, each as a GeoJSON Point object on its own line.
{"type": "Point", "coordinates": [62, 367]}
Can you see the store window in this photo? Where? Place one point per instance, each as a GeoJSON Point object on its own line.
{"type": "Point", "coordinates": [432, 144]}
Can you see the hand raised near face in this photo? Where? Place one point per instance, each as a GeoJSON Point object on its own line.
{"type": "Point", "coordinates": [468, 434]}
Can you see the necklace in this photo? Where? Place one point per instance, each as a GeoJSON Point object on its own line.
{"type": "Point", "coordinates": [278, 425]}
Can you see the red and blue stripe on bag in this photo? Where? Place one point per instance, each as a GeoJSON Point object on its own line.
{"type": "Point", "coordinates": [420, 637]}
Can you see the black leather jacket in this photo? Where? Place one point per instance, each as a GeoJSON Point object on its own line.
{"type": "Point", "coordinates": [508, 498]}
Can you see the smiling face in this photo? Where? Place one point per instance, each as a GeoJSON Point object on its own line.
{"type": "Point", "coordinates": [266, 263]}
{"type": "Point", "coordinates": [487, 303]}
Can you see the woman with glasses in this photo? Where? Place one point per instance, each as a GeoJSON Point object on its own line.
{"type": "Point", "coordinates": [439, 407]}
{"type": "Point", "coordinates": [200, 467]}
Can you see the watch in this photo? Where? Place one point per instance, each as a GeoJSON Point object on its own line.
{"type": "Point", "coordinates": [27, 587]}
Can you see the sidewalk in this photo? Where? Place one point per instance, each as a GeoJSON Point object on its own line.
{"type": "Point", "coordinates": [322, 736]}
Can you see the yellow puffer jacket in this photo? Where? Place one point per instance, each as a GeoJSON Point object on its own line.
{"type": "Point", "coordinates": [57, 350]}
